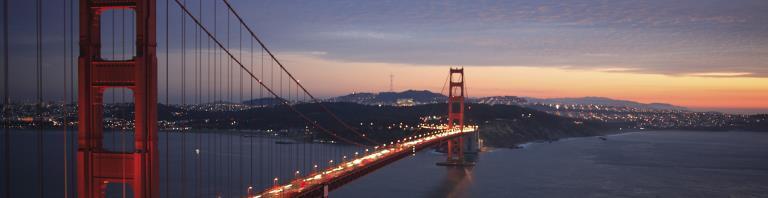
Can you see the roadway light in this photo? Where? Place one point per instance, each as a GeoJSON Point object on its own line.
{"type": "Point", "coordinates": [275, 181]}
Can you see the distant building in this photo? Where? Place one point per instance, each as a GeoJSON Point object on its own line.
{"type": "Point", "coordinates": [405, 102]}
{"type": "Point", "coordinates": [502, 100]}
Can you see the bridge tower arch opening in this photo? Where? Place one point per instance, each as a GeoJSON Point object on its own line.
{"type": "Point", "coordinates": [98, 167]}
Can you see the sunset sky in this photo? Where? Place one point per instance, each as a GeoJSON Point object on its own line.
{"type": "Point", "coordinates": [704, 54]}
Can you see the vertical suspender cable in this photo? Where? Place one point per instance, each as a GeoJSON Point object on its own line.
{"type": "Point", "coordinates": [240, 140]}
{"type": "Point", "coordinates": [215, 99]}
{"type": "Point", "coordinates": [291, 77]}
{"type": "Point", "coordinates": [232, 57]}
{"type": "Point", "coordinates": [281, 149]}
{"type": "Point", "coordinates": [240, 45]}
{"type": "Point", "coordinates": [215, 56]}
{"type": "Point", "coordinates": [307, 162]}
{"type": "Point", "coordinates": [183, 151]}
{"type": "Point", "coordinates": [39, 76]}
{"type": "Point", "coordinates": [296, 146]}
{"type": "Point", "coordinates": [198, 63]}
{"type": "Point", "coordinates": [6, 103]}
{"type": "Point", "coordinates": [229, 96]}
{"type": "Point", "coordinates": [194, 80]}
{"type": "Point", "coordinates": [167, 98]}
{"type": "Point", "coordinates": [72, 64]}
{"type": "Point", "coordinates": [271, 149]}
{"type": "Point", "coordinates": [208, 73]}
{"type": "Point", "coordinates": [261, 140]}
{"type": "Point", "coordinates": [250, 180]}
{"type": "Point", "coordinates": [72, 53]}
{"type": "Point", "coordinates": [229, 66]}
{"type": "Point", "coordinates": [208, 140]}
{"type": "Point", "coordinates": [64, 104]}
{"type": "Point", "coordinates": [277, 149]}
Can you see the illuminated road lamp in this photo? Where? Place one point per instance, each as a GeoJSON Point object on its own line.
{"type": "Point", "coordinates": [296, 175]}
{"type": "Point", "coordinates": [275, 181]}
{"type": "Point", "coordinates": [330, 163]}
{"type": "Point", "coordinates": [314, 169]}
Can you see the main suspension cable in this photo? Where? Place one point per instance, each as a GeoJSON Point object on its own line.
{"type": "Point", "coordinates": [326, 109]}
{"type": "Point", "coordinates": [233, 58]}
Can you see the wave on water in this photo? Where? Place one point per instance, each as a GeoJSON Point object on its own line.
{"type": "Point", "coordinates": [623, 134]}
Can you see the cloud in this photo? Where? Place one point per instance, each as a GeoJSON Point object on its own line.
{"type": "Point", "coordinates": [721, 74]}
{"type": "Point", "coordinates": [617, 69]}
{"type": "Point", "coordinates": [357, 34]}
{"type": "Point", "coordinates": [661, 37]}
{"type": "Point", "coordinates": [317, 53]}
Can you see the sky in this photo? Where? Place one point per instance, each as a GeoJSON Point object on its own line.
{"type": "Point", "coordinates": [703, 54]}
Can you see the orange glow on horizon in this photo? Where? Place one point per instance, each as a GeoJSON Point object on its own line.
{"type": "Point", "coordinates": [543, 82]}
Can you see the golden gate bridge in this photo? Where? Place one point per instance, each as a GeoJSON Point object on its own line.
{"type": "Point", "coordinates": [212, 66]}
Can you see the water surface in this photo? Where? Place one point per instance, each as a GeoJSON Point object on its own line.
{"type": "Point", "coordinates": [646, 164]}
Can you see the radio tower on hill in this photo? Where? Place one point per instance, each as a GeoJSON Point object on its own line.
{"type": "Point", "coordinates": [391, 82]}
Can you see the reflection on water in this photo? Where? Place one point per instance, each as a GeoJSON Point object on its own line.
{"type": "Point", "coordinates": [455, 183]}
{"type": "Point", "coordinates": [216, 162]}
{"type": "Point", "coordinates": [647, 164]}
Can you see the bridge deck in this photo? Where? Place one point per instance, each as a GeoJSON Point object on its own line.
{"type": "Point", "coordinates": [316, 184]}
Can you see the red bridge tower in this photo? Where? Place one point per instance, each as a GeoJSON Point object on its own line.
{"type": "Point", "coordinates": [455, 147]}
{"type": "Point", "coordinates": [97, 167]}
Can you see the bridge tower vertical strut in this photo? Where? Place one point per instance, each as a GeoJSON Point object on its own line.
{"type": "Point", "coordinates": [455, 146]}
{"type": "Point", "coordinates": [96, 166]}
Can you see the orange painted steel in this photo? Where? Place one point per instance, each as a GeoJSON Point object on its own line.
{"type": "Point", "coordinates": [97, 167]}
{"type": "Point", "coordinates": [455, 149]}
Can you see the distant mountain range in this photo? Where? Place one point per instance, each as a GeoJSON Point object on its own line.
{"type": "Point", "coordinates": [392, 98]}
{"type": "Point", "coordinates": [263, 101]}
{"type": "Point", "coordinates": [604, 101]}
{"type": "Point", "coordinates": [420, 97]}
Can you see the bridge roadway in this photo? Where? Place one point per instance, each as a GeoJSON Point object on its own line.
{"type": "Point", "coordinates": [320, 183]}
